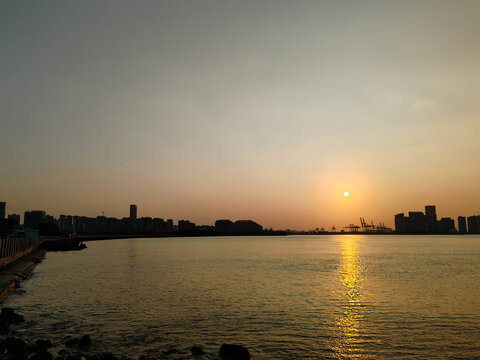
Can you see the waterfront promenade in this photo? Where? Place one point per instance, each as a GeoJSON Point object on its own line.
{"type": "Point", "coordinates": [13, 273]}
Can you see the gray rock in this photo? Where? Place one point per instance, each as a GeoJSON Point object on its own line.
{"type": "Point", "coordinates": [4, 328]}
{"type": "Point", "coordinates": [197, 350]}
{"type": "Point", "coordinates": [84, 340]}
{"type": "Point", "coordinates": [108, 356]}
{"type": "Point", "coordinates": [171, 351]}
{"type": "Point", "coordinates": [15, 348]}
{"type": "Point", "coordinates": [43, 345]}
{"type": "Point", "coordinates": [42, 355]}
{"type": "Point", "coordinates": [234, 352]}
{"type": "Point", "coordinates": [9, 316]}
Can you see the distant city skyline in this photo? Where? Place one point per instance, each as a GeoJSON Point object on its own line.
{"type": "Point", "coordinates": [415, 222]}
{"type": "Point", "coordinates": [266, 110]}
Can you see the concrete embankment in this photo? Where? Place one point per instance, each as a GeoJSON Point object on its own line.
{"type": "Point", "coordinates": [12, 274]}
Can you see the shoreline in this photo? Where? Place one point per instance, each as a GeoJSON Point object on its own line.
{"type": "Point", "coordinates": [159, 236]}
{"type": "Point", "coordinates": [15, 345]}
{"type": "Point", "coordinates": [14, 273]}
{"type": "Point", "coordinates": [147, 236]}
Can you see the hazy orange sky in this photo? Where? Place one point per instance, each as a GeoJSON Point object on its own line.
{"type": "Point", "coordinates": [263, 110]}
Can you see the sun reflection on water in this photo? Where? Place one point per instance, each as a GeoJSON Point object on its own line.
{"type": "Point", "coordinates": [349, 325]}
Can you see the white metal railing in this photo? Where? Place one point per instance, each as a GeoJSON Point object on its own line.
{"type": "Point", "coordinates": [12, 246]}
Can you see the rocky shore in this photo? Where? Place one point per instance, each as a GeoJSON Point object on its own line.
{"type": "Point", "coordinates": [13, 347]}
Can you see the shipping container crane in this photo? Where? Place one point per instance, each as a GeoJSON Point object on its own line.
{"type": "Point", "coordinates": [367, 227]}
{"type": "Point", "coordinates": [352, 228]}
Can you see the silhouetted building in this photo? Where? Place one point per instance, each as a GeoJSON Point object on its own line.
{"type": "Point", "coordinates": [247, 227]}
{"type": "Point", "coordinates": [133, 211]}
{"type": "Point", "coordinates": [431, 215]}
{"type": "Point", "coordinates": [50, 219]}
{"type": "Point", "coordinates": [32, 218]}
{"type": "Point", "coordinates": [473, 224]}
{"type": "Point", "coordinates": [130, 225]}
{"type": "Point", "coordinates": [205, 229]}
{"type": "Point", "coordinates": [14, 217]}
{"type": "Point", "coordinates": [145, 225]}
{"type": "Point", "coordinates": [224, 226]}
{"type": "Point", "coordinates": [169, 226]}
{"type": "Point", "coordinates": [158, 225]}
{"type": "Point", "coordinates": [2, 210]}
{"type": "Point", "coordinates": [462, 224]}
{"type": "Point", "coordinates": [446, 226]}
{"type": "Point", "coordinates": [185, 226]}
{"type": "Point", "coordinates": [82, 225]}
{"type": "Point", "coordinates": [417, 223]}
{"type": "Point", "coordinates": [79, 224]}
{"type": "Point", "coordinates": [85, 225]}
{"type": "Point", "coordinates": [400, 224]}
{"type": "Point", "coordinates": [106, 225]}
{"type": "Point", "coordinates": [65, 224]}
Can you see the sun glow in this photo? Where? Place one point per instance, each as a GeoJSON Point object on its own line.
{"type": "Point", "coordinates": [346, 194]}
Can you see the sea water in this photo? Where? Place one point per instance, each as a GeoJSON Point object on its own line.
{"type": "Point", "coordinates": [282, 297]}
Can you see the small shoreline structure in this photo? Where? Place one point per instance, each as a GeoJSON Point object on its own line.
{"type": "Point", "coordinates": [63, 244]}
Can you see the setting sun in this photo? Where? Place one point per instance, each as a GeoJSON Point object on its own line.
{"type": "Point", "coordinates": [346, 194]}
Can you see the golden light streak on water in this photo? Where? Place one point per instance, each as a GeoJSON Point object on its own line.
{"type": "Point", "coordinates": [349, 325]}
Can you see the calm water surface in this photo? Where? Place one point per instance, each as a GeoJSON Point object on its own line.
{"type": "Point", "coordinates": [296, 297]}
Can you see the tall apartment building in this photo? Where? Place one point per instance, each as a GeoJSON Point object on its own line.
{"type": "Point", "coordinates": [431, 214]}
{"type": "Point", "coordinates": [133, 211]}
{"type": "Point", "coordinates": [32, 218]}
{"type": "Point", "coordinates": [2, 210]}
{"type": "Point", "coordinates": [418, 222]}
{"type": "Point", "coordinates": [14, 217]}
{"type": "Point", "coordinates": [473, 224]}
{"type": "Point", "coordinates": [462, 224]}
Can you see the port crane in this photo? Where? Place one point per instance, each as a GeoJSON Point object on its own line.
{"type": "Point", "coordinates": [380, 228]}
{"type": "Point", "coordinates": [352, 228]}
{"type": "Point", "coordinates": [367, 227]}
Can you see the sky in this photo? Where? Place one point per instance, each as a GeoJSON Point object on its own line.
{"type": "Point", "coordinates": [262, 110]}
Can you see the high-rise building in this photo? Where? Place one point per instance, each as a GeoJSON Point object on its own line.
{"type": "Point", "coordinates": [446, 226]}
{"type": "Point", "coordinates": [2, 210]}
{"type": "Point", "coordinates": [186, 226]}
{"type": "Point", "coordinates": [14, 217]}
{"type": "Point", "coordinates": [65, 224]}
{"type": "Point", "coordinates": [431, 214]}
{"type": "Point", "coordinates": [417, 223]}
{"type": "Point", "coordinates": [247, 227]}
{"type": "Point", "coordinates": [169, 226]}
{"type": "Point", "coordinates": [133, 211]}
{"type": "Point", "coordinates": [426, 223]}
{"type": "Point", "coordinates": [32, 218]}
{"type": "Point", "coordinates": [473, 224]}
{"type": "Point", "coordinates": [462, 224]}
{"type": "Point", "coordinates": [224, 226]}
{"type": "Point", "coordinates": [400, 224]}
